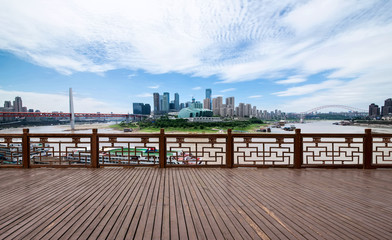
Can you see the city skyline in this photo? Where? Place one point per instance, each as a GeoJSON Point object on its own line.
{"type": "Point", "coordinates": [289, 55]}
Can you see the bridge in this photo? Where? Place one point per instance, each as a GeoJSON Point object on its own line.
{"type": "Point", "coordinates": [354, 109]}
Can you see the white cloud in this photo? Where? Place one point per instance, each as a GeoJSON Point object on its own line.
{"type": "Point", "coordinates": [228, 90]}
{"type": "Point", "coordinates": [196, 88]}
{"type": "Point", "coordinates": [235, 41]}
{"type": "Point", "coordinates": [144, 95]}
{"type": "Point", "coordinates": [291, 80]}
{"type": "Point", "coordinates": [310, 88]}
{"type": "Point", "coordinates": [154, 87]}
{"type": "Point", "coordinates": [255, 96]}
{"type": "Point", "coordinates": [357, 93]}
{"type": "Point", "coordinates": [60, 102]}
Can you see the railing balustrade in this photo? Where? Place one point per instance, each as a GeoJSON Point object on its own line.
{"type": "Point", "coordinates": [297, 150]}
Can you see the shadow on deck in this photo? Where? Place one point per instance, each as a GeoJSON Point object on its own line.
{"type": "Point", "coordinates": [183, 203]}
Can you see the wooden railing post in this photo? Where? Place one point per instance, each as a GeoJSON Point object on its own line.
{"type": "Point", "coordinates": [26, 148]}
{"type": "Point", "coordinates": [162, 149]}
{"type": "Point", "coordinates": [229, 149]}
{"type": "Point", "coordinates": [94, 149]}
{"type": "Point", "coordinates": [367, 149]}
{"type": "Point", "coordinates": [298, 149]}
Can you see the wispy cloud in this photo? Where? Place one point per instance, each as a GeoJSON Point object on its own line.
{"type": "Point", "coordinates": [255, 96]}
{"type": "Point", "coordinates": [196, 88]}
{"type": "Point", "coordinates": [154, 87]}
{"type": "Point", "coordinates": [310, 88]}
{"type": "Point", "coordinates": [291, 80]}
{"type": "Point", "coordinates": [144, 95]}
{"type": "Point", "coordinates": [227, 90]}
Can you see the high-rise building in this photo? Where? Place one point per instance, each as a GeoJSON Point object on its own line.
{"type": "Point", "coordinates": [207, 103]}
{"type": "Point", "coordinates": [216, 105]}
{"type": "Point", "coordinates": [177, 101]}
{"type": "Point", "coordinates": [172, 107]}
{"type": "Point", "coordinates": [7, 104]}
{"type": "Point", "coordinates": [18, 104]}
{"type": "Point", "coordinates": [230, 104]}
{"type": "Point", "coordinates": [138, 108]}
{"type": "Point", "coordinates": [156, 103]}
{"type": "Point", "coordinates": [223, 110]}
{"type": "Point", "coordinates": [146, 109]}
{"type": "Point", "coordinates": [24, 109]}
{"type": "Point", "coordinates": [387, 108]}
{"type": "Point", "coordinates": [374, 110]}
{"type": "Point", "coordinates": [248, 110]}
{"type": "Point", "coordinates": [208, 93]}
{"type": "Point", "coordinates": [165, 102]}
{"type": "Point", "coordinates": [141, 108]}
{"type": "Point", "coordinates": [241, 110]}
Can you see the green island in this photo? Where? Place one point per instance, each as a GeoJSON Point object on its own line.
{"type": "Point", "coordinates": [183, 125]}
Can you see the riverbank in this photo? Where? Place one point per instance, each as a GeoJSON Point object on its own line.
{"type": "Point", "coordinates": [250, 128]}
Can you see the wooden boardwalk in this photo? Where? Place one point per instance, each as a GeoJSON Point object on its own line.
{"type": "Point", "coordinates": [189, 203]}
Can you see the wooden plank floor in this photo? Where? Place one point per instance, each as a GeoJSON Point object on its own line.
{"type": "Point", "coordinates": [152, 203]}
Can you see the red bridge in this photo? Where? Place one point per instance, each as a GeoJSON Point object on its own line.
{"type": "Point", "coordinates": [68, 115]}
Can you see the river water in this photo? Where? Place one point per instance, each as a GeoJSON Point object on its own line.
{"type": "Point", "coordinates": [308, 127]}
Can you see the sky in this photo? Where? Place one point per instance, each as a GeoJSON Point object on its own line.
{"type": "Point", "coordinates": [290, 55]}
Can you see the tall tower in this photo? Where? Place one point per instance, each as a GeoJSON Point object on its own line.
{"type": "Point", "coordinates": [71, 110]}
{"type": "Point", "coordinates": [165, 102]}
{"type": "Point", "coordinates": [156, 103]}
{"type": "Point", "coordinates": [177, 101]}
{"type": "Point", "coordinates": [208, 93]}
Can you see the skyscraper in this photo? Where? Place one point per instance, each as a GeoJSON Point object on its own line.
{"type": "Point", "coordinates": [18, 104]}
{"type": "Point", "coordinates": [230, 106]}
{"type": "Point", "coordinates": [374, 110]}
{"type": "Point", "coordinates": [208, 93]}
{"type": "Point", "coordinates": [207, 103]}
{"type": "Point", "coordinates": [177, 101]}
{"type": "Point", "coordinates": [241, 110]}
{"type": "Point", "coordinates": [156, 103]}
{"type": "Point", "coordinates": [209, 97]}
{"type": "Point", "coordinates": [216, 105]}
{"type": "Point", "coordinates": [165, 102]}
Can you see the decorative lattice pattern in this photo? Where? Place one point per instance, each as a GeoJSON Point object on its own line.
{"type": "Point", "coordinates": [332, 151]}
{"type": "Point", "coordinates": [60, 150]}
{"type": "Point", "coordinates": [129, 151]}
{"type": "Point", "coordinates": [208, 150]}
{"type": "Point", "coordinates": [256, 151]}
{"type": "Point", "coordinates": [382, 150]}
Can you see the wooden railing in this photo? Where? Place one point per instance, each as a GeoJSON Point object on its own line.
{"type": "Point", "coordinates": [297, 150]}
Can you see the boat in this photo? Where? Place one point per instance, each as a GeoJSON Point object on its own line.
{"type": "Point", "coordinates": [148, 155]}
{"type": "Point", "coordinates": [291, 128]}
{"type": "Point", "coordinates": [12, 153]}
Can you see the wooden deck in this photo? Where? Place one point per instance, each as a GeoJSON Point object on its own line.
{"type": "Point", "coordinates": [153, 203]}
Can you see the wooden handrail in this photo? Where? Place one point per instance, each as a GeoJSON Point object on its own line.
{"type": "Point", "coordinates": [298, 144]}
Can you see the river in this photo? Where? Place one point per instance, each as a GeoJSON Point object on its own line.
{"type": "Point", "coordinates": [308, 127]}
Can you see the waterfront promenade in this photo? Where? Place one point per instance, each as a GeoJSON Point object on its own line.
{"type": "Point", "coordinates": [189, 203]}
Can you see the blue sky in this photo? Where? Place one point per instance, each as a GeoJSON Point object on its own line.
{"type": "Point", "coordinates": [289, 55]}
